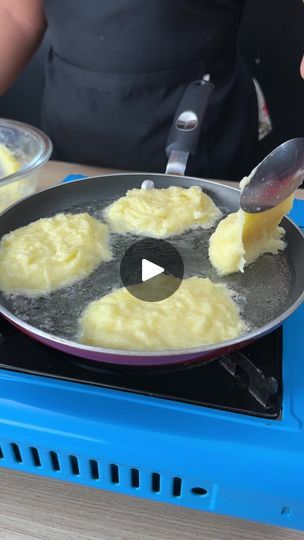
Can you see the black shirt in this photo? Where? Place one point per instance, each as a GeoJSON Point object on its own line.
{"type": "Point", "coordinates": [117, 70]}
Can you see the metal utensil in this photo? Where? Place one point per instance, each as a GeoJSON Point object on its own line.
{"type": "Point", "coordinates": [275, 178]}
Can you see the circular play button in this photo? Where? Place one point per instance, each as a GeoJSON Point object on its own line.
{"type": "Point", "coordinates": [151, 270]}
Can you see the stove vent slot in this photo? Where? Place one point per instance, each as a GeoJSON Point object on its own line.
{"type": "Point", "coordinates": [135, 478]}
{"type": "Point", "coordinates": [177, 487]}
{"type": "Point", "coordinates": [199, 491]}
{"type": "Point", "coordinates": [35, 456]}
{"type": "Point", "coordinates": [74, 465]}
{"type": "Point", "coordinates": [155, 482]}
{"type": "Point", "coordinates": [16, 451]}
{"type": "Point", "coordinates": [114, 470]}
{"type": "Point", "coordinates": [94, 468]}
{"type": "Point", "coordinates": [55, 461]}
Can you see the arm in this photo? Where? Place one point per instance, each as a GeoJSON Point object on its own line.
{"type": "Point", "coordinates": [22, 24]}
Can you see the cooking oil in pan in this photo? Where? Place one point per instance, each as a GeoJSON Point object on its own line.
{"type": "Point", "coordinates": [261, 291]}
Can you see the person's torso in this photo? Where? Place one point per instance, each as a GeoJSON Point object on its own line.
{"type": "Point", "coordinates": [117, 70]}
{"type": "Point", "coordinates": [138, 36]}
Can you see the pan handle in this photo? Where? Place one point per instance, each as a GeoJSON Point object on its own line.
{"type": "Point", "coordinates": [186, 127]}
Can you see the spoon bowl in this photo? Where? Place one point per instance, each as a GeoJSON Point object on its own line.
{"type": "Point", "coordinates": [275, 178]}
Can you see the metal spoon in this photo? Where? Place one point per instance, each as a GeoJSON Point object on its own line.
{"type": "Point", "coordinates": [275, 178]}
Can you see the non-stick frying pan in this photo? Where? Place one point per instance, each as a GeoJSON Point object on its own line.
{"type": "Point", "coordinates": [269, 290]}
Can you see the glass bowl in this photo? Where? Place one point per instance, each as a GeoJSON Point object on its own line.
{"type": "Point", "coordinates": [26, 149]}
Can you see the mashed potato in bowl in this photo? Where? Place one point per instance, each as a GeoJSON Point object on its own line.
{"type": "Point", "coordinates": [160, 213]}
{"type": "Point", "coordinates": [12, 192]}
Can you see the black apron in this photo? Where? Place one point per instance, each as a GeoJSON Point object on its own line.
{"type": "Point", "coordinates": [117, 69]}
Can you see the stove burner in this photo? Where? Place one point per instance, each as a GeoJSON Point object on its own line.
{"type": "Point", "coordinates": [247, 382]}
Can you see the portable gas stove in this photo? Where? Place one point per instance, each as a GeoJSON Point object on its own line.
{"type": "Point", "coordinates": [224, 437]}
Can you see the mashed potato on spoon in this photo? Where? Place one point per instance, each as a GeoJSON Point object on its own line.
{"type": "Point", "coordinates": [242, 238]}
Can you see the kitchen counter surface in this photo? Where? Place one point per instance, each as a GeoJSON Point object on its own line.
{"type": "Point", "coordinates": [42, 509]}
{"type": "Point", "coordinates": [55, 171]}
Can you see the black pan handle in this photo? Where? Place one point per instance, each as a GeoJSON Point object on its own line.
{"type": "Point", "coordinates": [186, 127]}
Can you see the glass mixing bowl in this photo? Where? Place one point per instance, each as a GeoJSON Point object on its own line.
{"type": "Point", "coordinates": [26, 149]}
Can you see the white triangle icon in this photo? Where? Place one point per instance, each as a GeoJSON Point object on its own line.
{"type": "Point", "coordinates": [150, 270]}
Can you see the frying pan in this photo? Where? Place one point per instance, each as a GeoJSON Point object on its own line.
{"type": "Point", "coordinates": [268, 292]}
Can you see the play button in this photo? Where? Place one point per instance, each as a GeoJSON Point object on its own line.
{"type": "Point", "coordinates": [151, 270]}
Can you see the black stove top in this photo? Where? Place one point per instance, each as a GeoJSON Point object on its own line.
{"type": "Point", "coordinates": [249, 382]}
